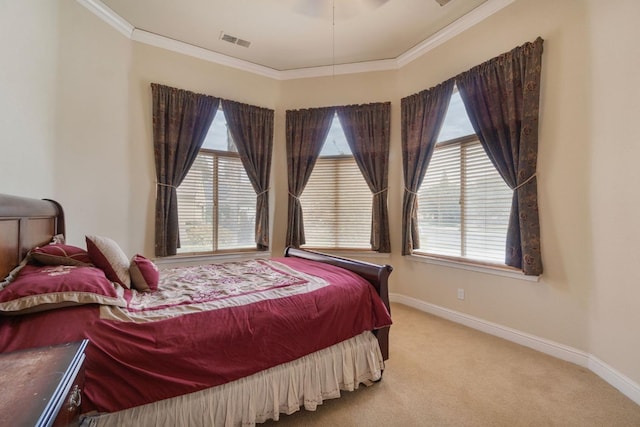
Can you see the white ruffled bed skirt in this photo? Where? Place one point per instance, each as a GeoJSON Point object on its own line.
{"type": "Point", "coordinates": [305, 382]}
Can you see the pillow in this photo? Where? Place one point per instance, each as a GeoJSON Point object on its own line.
{"type": "Point", "coordinates": [40, 288]}
{"type": "Point", "coordinates": [107, 256]}
{"type": "Point", "coordinates": [144, 274]}
{"type": "Point", "coordinates": [56, 254]}
{"type": "Point", "coordinates": [58, 239]}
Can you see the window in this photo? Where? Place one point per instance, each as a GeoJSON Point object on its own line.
{"type": "Point", "coordinates": [463, 203]}
{"type": "Point", "coordinates": [337, 201]}
{"type": "Point", "coordinates": [216, 202]}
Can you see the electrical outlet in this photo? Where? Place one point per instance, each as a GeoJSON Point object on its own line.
{"type": "Point", "coordinates": [460, 294]}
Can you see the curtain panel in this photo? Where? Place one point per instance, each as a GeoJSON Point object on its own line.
{"type": "Point", "coordinates": [367, 129]}
{"type": "Point", "coordinates": [422, 115]}
{"type": "Point", "coordinates": [181, 120]}
{"type": "Point", "coordinates": [501, 97]}
{"type": "Point", "coordinates": [252, 131]}
{"type": "Point", "coordinates": [306, 131]}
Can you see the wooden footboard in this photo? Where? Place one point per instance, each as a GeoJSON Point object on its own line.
{"type": "Point", "coordinates": [376, 274]}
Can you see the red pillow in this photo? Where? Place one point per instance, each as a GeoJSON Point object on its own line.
{"type": "Point", "coordinates": [144, 274]}
{"type": "Point", "coordinates": [60, 254]}
{"type": "Point", "coordinates": [48, 287]}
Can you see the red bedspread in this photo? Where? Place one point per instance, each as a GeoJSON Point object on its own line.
{"type": "Point", "coordinates": [147, 358]}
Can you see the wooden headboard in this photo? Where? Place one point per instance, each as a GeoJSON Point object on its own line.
{"type": "Point", "coordinates": [24, 224]}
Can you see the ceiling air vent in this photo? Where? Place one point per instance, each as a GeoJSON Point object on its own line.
{"type": "Point", "coordinates": [234, 40]}
{"type": "Point", "coordinates": [243, 43]}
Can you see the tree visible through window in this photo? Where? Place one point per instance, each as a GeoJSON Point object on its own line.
{"type": "Point", "coordinates": [463, 203]}
{"type": "Point", "coordinates": [336, 202]}
{"type": "Point", "coordinates": [216, 202]}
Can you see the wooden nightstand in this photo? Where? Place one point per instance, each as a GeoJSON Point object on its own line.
{"type": "Point", "coordinates": [42, 386]}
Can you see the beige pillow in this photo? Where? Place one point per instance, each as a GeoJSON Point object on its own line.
{"type": "Point", "coordinates": [107, 256]}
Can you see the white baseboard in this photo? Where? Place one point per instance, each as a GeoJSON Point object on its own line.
{"type": "Point", "coordinates": [624, 384]}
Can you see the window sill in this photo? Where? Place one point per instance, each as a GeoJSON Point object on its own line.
{"type": "Point", "coordinates": [471, 266]}
{"type": "Point", "coordinates": [186, 260]}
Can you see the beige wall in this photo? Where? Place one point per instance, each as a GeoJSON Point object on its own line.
{"type": "Point", "coordinates": [588, 297]}
{"type": "Point", "coordinates": [28, 96]}
{"type": "Point", "coordinates": [614, 177]}
{"type": "Point", "coordinates": [92, 178]}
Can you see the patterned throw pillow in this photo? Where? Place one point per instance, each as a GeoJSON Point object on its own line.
{"type": "Point", "coordinates": [56, 254]}
{"type": "Point", "coordinates": [107, 255]}
{"type": "Point", "coordinates": [40, 288]}
{"type": "Point", "coordinates": [144, 274]}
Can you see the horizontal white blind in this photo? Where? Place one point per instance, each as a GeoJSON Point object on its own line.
{"type": "Point", "coordinates": [216, 205]}
{"type": "Point", "coordinates": [463, 204]}
{"type": "Point", "coordinates": [439, 212]}
{"type": "Point", "coordinates": [336, 205]}
{"type": "Point", "coordinates": [236, 205]}
{"type": "Point", "coordinates": [195, 207]}
{"type": "Point", "coordinates": [487, 204]}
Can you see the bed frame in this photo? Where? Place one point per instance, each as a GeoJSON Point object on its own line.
{"type": "Point", "coordinates": [377, 275]}
{"type": "Point", "coordinates": [26, 223]}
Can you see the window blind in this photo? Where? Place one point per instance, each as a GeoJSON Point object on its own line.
{"type": "Point", "coordinates": [195, 207]}
{"type": "Point", "coordinates": [336, 205]}
{"type": "Point", "coordinates": [216, 205]}
{"type": "Point", "coordinates": [236, 205]}
{"type": "Point", "coordinates": [463, 204]}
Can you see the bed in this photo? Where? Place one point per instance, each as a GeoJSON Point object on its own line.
{"type": "Point", "coordinates": [303, 328]}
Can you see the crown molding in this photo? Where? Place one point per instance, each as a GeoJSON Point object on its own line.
{"type": "Point", "coordinates": [458, 26]}
{"type": "Point", "coordinates": [477, 15]}
{"type": "Point", "coordinates": [201, 53]}
{"type": "Point", "coordinates": [334, 70]}
{"type": "Point", "coordinates": [109, 16]}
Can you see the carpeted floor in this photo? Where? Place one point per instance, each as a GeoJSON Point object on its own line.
{"type": "Point", "coordinates": [444, 374]}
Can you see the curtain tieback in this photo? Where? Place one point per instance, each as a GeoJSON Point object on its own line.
{"type": "Point", "coordinates": [525, 181]}
{"type": "Point", "coordinates": [294, 196]}
{"type": "Point", "coordinates": [415, 193]}
{"type": "Point", "coordinates": [166, 185]}
{"type": "Point", "coordinates": [263, 192]}
{"type": "Point", "coordinates": [380, 192]}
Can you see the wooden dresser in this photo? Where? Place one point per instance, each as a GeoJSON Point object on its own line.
{"type": "Point", "coordinates": [42, 386]}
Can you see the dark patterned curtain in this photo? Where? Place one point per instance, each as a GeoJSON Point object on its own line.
{"type": "Point", "coordinates": [366, 128]}
{"type": "Point", "coordinates": [501, 97]}
{"type": "Point", "coordinates": [252, 131]}
{"type": "Point", "coordinates": [306, 132]}
{"type": "Point", "coordinates": [422, 116]}
{"type": "Point", "coordinates": [181, 120]}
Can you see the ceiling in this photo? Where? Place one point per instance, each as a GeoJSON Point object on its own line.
{"type": "Point", "coordinates": [289, 35]}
